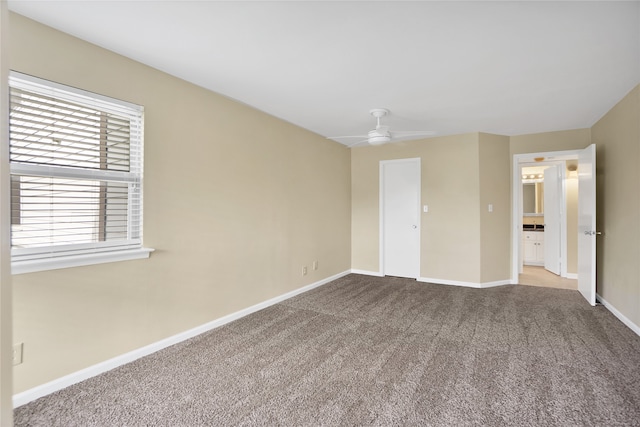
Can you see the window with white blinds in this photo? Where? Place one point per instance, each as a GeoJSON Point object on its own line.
{"type": "Point", "coordinates": [76, 176]}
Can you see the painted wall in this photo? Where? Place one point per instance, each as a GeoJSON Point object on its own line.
{"type": "Point", "coordinates": [450, 232]}
{"type": "Point", "coordinates": [453, 230]}
{"type": "Point", "coordinates": [617, 139]}
{"type": "Point", "coordinates": [235, 203]}
{"type": "Point", "coordinates": [533, 219]}
{"type": "Point", "coordinates": [494, 182]}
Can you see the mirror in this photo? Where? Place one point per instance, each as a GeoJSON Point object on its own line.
{"type": "Point", "coordinates": [533, 198]}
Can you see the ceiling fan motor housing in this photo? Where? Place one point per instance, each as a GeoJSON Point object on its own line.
{"type": "Point", "coordinates": [375, 137]}
{"type": "Point", "coordinates": [378, 136]}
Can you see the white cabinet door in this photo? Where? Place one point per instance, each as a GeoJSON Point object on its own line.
{"type": "Point", "coordinates": [533, 242]}
{"type": "Point", "coordinates": [540, 254]}
{"type": "Point", "coordinates": [529, 251]}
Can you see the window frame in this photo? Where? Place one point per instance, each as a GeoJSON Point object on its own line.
{"type": "Point", "coordinates": [27, 260]}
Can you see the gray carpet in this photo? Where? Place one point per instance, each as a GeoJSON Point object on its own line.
{"type": "Point", "coordinates": [379, 351]}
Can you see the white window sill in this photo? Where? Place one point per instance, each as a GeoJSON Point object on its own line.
{"type": "Point", "coordinates": [34, 265]}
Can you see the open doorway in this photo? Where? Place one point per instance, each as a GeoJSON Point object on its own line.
{"type": "Point", "coordinates": [545, 201]}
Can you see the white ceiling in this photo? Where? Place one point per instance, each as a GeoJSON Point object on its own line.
{"type": "Point", "coordinates": [452, 67]}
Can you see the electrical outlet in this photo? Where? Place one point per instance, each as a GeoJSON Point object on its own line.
{"type": "Point", "coordinates": [17, 353]}
{"type": "Point", "coordinates": [315, 265]}
{"type": "Point", "coordinates": [304, 270]}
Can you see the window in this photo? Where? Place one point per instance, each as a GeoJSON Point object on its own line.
{"type": "Point", "coordinates": [76, 176]}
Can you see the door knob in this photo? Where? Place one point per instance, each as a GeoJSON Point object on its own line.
{"type": "Point", "coordinates": [414, 226]}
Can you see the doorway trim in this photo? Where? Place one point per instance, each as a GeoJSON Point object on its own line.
{"type": "Point", "coordinates": [527, 159]}
{"type": "Point", "coordinates": [418, 161]}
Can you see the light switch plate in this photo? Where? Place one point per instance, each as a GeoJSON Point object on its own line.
{"type": "Point", "coordinates": [17, 353]}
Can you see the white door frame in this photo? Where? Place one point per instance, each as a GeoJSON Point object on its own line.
{"type": "Point", "coordinates": [381, 210]}
{"type": "Point", "coordinates": [527, 159]}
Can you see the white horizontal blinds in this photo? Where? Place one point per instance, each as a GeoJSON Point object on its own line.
{"type": "Point", "coordinates": [76, 165]}
{"type": "Point", "coordinates": [57, 211]}
{"type": "Point", "coordinates": [46, 130]}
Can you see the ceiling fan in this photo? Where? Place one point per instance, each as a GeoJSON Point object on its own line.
{"type": "Point", "coordinates": [381, 134]}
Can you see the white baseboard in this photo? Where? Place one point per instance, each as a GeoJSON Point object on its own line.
{"type": "Point", "coordinates": [465, 284]}
{"type": "Point", "coordinates": [495, 283]}
{"type": "Point", "coordinates": [635, 328]}
{"type": "Point", "coordinates": [367, 272]}
{"type": "Point", "coordinates": [27, 396]}
{"type": "Point", "coordinates": [441, 281]}
{"type": "Point", "coordinates": [572, 276]}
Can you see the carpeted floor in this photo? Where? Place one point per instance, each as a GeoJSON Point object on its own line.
{"type": "Point", "coordinates": [379, 351]}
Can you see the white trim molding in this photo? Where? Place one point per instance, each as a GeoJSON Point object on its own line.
{"type": "Point", "coordinates": [78, 260]}
{"type": "Point", "coordinates": [465, 284]}
{"type": "Point", "coordinates": [572, 276]}
{"type": "Point", "coordinates": [367, 272]}
{"type": "Point", "coordinates": [624, 319]}
{"type": "Point", "coordinates": [27, 396]}
{"type": "Point", "coordinates": [442, 281]}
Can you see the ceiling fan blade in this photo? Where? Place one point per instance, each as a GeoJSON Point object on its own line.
{"type": "Point", "coordinates": [382, 133]}
{"type": "Point", "coordinates": [347, 136]}
{"type": "Point", "coordinates": [412, 132]}
{"type": "Point", "coordinates": [357, 143]}
{"type": "Point", "coordinates": [398, 138]}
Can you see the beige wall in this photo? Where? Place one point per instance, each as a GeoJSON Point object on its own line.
{"type": "Point", "coordinates": [533, 219]}
{"type": "Point", "coordinates": [452, 177]}
{"type": "Point", "coordinates": [617, 139]}
{"type": "Point", "coordinates": [451, 229]}
{"type": "Point", "coordinates": [236, 202]}
{"type": "Point", "coordinates": [494, 183]}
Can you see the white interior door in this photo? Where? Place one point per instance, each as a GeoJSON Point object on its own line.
{"type": "Point", "coordinates": [552, 219]}
{"type": "Point", "coordinates": [400, 217]}
{"type": "Point", "coordinates": [587, 223]}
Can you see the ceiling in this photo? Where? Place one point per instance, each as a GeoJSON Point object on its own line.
{"type": "Point", "coordinates": [508, 68]}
